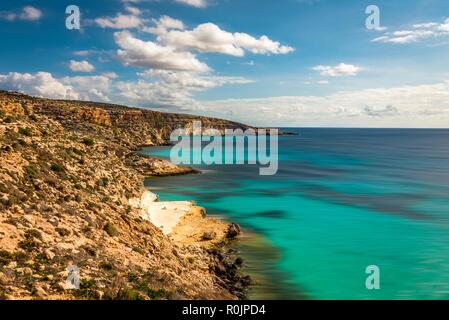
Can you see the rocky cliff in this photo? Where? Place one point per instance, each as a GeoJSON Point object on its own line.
{"type": "Point", "coordinates": [68, 170]}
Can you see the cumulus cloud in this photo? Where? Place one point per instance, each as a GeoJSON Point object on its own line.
{"type": "Point", "coordinates": [133, 10]}
{"type": "Point", "coordinates": [151, 55]}
{"type": "Point", "coordinates": [93, 88]}
{"type": "Point", "coordinates": [163, 24]}
{"type": "Point", "coordinates": [43, 84]}
{"type": "Point", "coordinates": [40, 84]}
{"type": "Point", "coordinates": [120, 21]}
{"type": "Point", "coordinates": [28, 13]}
{"type": "Point", "coordinates": [417, 33]}
{"type": "Point", "coordinates": [340, 70]}
{"type": "Point", "coordinates": [194, 3]}
{"type": "Point", "coordinates": [81, 66]}
{"type": "Point", "coordinates": [208, 37]}
{"type": "Point", "coordinates": [172, 88]}
{"type": "Point", "coordinates": [154, 88]}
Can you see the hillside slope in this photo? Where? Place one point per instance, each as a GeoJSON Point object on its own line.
{"type": "Point", "coordinates": [67, 173]}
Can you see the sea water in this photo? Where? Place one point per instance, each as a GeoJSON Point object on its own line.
{"type": "Point", "coordinates": [342, 200]}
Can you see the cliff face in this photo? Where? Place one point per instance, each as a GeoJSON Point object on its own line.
{"type": "Point", "coordinates": [125, 126]}
{"type": "Point", "coordinates": [67, 173]}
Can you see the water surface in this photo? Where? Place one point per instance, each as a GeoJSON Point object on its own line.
{"type": "Point", "coordinates": [343, 199]}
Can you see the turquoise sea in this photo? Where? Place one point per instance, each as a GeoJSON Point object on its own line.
{"type": "Point", "coordinates": [343, 199]}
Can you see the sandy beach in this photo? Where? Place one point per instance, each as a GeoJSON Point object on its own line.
{"type": "Point", "coordinates": [184, 221]}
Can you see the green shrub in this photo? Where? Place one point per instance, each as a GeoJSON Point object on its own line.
{"type": "Point", "coordinates": [106, 266]}
{"type": "Point", "coordinates": [33, 234]}
{"type": "Point", "coordinates": [56, 167]}
{"type": "Point", "coordinates": [138, 250]}
{"type": "Point", "coordinates": [104, 182]}
{"type": "Point", "coordinates": [132, 277]}
{"type": "Point", "coordinates": [26, 132]}
{"type": "Point", "coordinates": [29, 244]}
{"type": "Point", "coordinates": [110, 229]}
{"type": "Point", "coordinates": [154, 294]}
{"type": "Point", "coordinates": [128, 294]}
{"type": "Point", "coordinates": [86, 290]}
{"type": "Point", "coordinates": [88, 141]}
{"type": "Point", "coordinates": [5, 258]}
{"type": "Point", "coordinates": [77, 151]}
{"type": "Point", "coordinates": [63, 232]}
{"type": "Point", "coordinates": [31, 172]}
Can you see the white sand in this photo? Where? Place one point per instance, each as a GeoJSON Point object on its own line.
{"type": "Point", "coordinates": [164, 215]}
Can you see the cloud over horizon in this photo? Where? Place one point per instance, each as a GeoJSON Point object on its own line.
{"type": "Point", "coordinates": [28, 13]}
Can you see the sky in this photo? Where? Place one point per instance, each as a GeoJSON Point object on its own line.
{"type": "Point", "coordinates": [287, 63]}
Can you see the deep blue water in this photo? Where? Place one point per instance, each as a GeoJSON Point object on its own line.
{"type": "Point", "coordinates": [343, 199]}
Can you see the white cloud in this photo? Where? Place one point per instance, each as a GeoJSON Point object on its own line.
{"type": "Point", "coordinates": [151, 55]}
{"type": "Point", "coordinates": [163, 24]}
{"type": "Point", "coordinates": [28, 13]}
{"type": "Point", "coordinates": [418, 32]}
{"type": "Point", "coordinates": [340, 70]}
{"type": "Point", "coordinates": [93, 88]}
{"type": "Point", "coordinates": [194, 3]}
{"type": "Point", "coordinates": [81, 66]}
{"type": "Point", "coordinates": [424, 105]}
{"type": "Point", "coordinates": [40, 84]}
{"type": "Point", "coordinates": [43, 84]}
{"type": "Point", "coordinates": [120, 21]}
{"type": "Point", "coordinates": [31, 13]}
{"type": "Point", "coordinates": [208, 37]}
{"type": "Point", "coordinates": [82, 53]}
{"type": "Point", "coordinates": [172, 88]}
{"type": "Point", "coordinates": [110, 75]}
{"type": "Point", "coordinates": [133, 10]}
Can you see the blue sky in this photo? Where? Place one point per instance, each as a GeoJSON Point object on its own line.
{"type": "Point", "coordinates": [274, 63]}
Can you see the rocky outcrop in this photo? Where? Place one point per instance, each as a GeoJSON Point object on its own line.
{"type": "Point", "coordinates": [68, 171]}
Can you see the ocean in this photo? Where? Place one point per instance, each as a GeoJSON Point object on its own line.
{"type": "Point", "coordinates": [342, 200]}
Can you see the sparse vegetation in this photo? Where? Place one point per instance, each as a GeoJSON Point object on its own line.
{"type": "Point", "coordinates": [30, 242]}
{"type": "Point", "coordinates": [138, 250]}
{"type": "Point", "coordinates": [8, 119]}
{"type": "Point", "coordinates": [56, 168]}
{"type": "Point", "coordinates": [87, 289]}
{"type": "Point", "coordinates": [89, 141]}
{"type": "Point", "coordinates": [5, 258]}
{"type": "Point", "coordinates": [63, 232]}
{"type": "Point", "coordinates": [26, 132]}
{"type": "Point", "coordinates": [106, 266]}
{"type": "Point", "coordinates": [110, 229]}
{"type": "Point", "coordinates": [60, 198]}
{"type": "Point", "coordinates": [31, 172]}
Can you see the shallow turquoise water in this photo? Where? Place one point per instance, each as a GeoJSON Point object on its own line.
{"type": "Point", "coordinates": [343, 199]}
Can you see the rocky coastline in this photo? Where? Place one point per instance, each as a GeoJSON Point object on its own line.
{"type": "Point", "coordinates": [69, 179]}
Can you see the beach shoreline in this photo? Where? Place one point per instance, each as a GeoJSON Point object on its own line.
{"type": "Point", "coordinates": [188, 225]}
